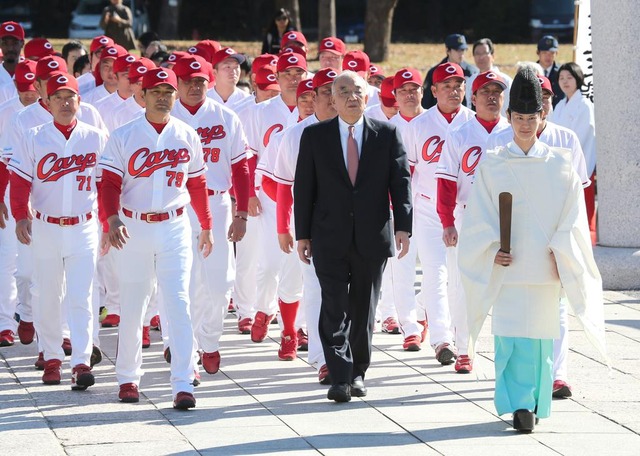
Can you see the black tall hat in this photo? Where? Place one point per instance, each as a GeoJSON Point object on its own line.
{"type": "Point", "coordinates": [525, 96]}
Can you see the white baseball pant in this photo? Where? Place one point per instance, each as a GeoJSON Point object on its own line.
{"type": "Point", "coordinates": [156, 250]}
{"type": "Point", "coordinates": [64, 261]}
{"type": "Point", "coordinates": [245, 292]}
{"type": "Point", "coordinates": [8, 288]}
{"type": "Point", "coordinates": [311, 301]}
{"type": "Point", "coordinates": [428, 237]}
{"type": "Point", "coordinates": [457, 299]}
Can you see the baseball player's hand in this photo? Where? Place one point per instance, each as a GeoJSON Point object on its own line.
{"type": "Point", "coordinates": [23, 231]}
{"type": "Point", "coordinates": [255, 208]}
{"type": "Point", "coordinates": [205, 243]}
{"type": "Point", "coordinates": [238, 227]}
{"type": "Point", "coordinates": [105, 243]}
{"type": "Point", "coordinates": [503, 258]}
{"type": "Point", "coordinates": [304, 250]}
{"type": "Point", "coordinates": [286, 242]}
{"type": "Point", "coordinates": [402, 243]}
{"type": "Point", "coordinates": [118, 233]}
{"type": "Point", "coordinates": [4, 215]}
{"type": "Point", "coordinates": [450, 236]}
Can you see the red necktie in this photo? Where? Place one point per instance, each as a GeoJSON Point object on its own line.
{"type": "Point", "coordinates": [352, 155]}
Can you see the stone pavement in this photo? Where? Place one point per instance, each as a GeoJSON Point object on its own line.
{"type": "Point", "coordinates": [259, 405]}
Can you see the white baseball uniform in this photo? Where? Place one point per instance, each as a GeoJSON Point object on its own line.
{"type": "Point", "coordinates": [375, 112]}
{"type": "Point", "coordinates": [223, 144]}
{"type": "Point", "coordinates": [424, 139]}
{"type": "Point", "coordinates": [8, 91]}
{"type": "Point", "coordinates": [65, 231]}
{"type": "Point", "coordinates": [556, 136]}
{"type": "Point", "coordinates": [108, 107]}
{"type": "Point", "coordinates": [374, 95]}
{"type": "Point", "coordinates": [277, 273]}
{"type": "Point", "coordinates": [126, 112]}
{"type": "Point", "coordinates": [284, 172]}
{"type": "Point", "coordinates": [5, 77]}
{"type": "Point", "coordinates": [86, 83]}
{"type": "Point", "coordinates": [95, 95]}
{"type": "Point", "coordinates": [237, 98]}
{"type": "Point", "coordinates": [461, 153]}
{"type": "Point", "coordinates": [155, 168]}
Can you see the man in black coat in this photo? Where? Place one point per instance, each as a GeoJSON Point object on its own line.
{"type": "Point", "coordinates": [456, 46]}
{"type": "Point", "coordinates": [348, 169]}
{"type": "Point", "coordinates": [547, 52]}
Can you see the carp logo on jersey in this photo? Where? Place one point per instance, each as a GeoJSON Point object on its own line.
{"type": "Point", "coordinates": [432, 149]}
{"type": "Point", "coordinates": [208, 134]}
{"type": "Point", "coordinates": [143, 162]}
{"type": "Point", "coordinates": [51, 167]}
{"type": "Point", "coordinates": [470, 160]}
{"type": "Point", "coordinates": [272, 129]}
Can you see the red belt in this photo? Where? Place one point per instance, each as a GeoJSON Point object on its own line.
{"type": "Point", "coordinates": [63, 221]}
{"type": "Point", "coordinates": [216, 192]}
{"type": "Point", "coordinates": [152, 217]}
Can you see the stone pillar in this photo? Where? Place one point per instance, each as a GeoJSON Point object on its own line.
{"type": "Point", "coordinates": [615, 25]}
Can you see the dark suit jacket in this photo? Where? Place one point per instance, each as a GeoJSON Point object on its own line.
{"type": "Point", "coordinates": [558, 94]}
{"type": "Point", "coordinates": [331, 211]}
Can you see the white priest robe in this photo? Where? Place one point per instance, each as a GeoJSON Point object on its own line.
{"type": "Point", "coordinates": [549, 215]}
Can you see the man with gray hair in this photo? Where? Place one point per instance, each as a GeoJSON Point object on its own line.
{"type": "Point", "coordinates": [347, 169]}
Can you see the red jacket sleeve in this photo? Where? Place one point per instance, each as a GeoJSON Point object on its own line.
{"type": "Point", "coordinates": [447, 192]}
{"type": "Point", "coordinates": [197, 187]}
{"type": "Point", "coordinates": [19, 197]}
{"type": "Point", "coordinates": [284, 204]}
{"type": "Point", "coordinates": [109, 194]}
{"type": "Point", "coordinates": [241, 184]}
{"type": "Point", "coordinates": [4, 180]}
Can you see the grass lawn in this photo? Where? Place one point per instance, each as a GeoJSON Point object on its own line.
{"type": "Point", "coordinates": [420, 56]}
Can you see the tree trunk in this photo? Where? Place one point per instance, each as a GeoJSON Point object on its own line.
{"type": "Point", "coordinates": [377, 28]}
{"type": "Point", "coordinates": [326, 19]}
{"type": "Point", "coordinates": [168, 19]}
{"type": "Point", "coordinates": [294, 8]}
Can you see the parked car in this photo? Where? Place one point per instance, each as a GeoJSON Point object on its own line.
{"type": "Point", "coordinates": [552, 17]}
{"type": "Point", "coordinates": [18, 11]}
{"type": "Point", "coordinates": [85, 19]}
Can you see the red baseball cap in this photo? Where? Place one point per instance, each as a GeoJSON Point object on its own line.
{"type": "Point", "coordinates": [60, 81]}
{"type": "Point", "coordinates": [138, 68]}
{"type": "Point", "coordinates": [158, 76]}
{"type": "Point", "coordinates": [446, 71]}
{"type": "Point", "coordinates": [112, 52]}
{"type": "Point", "coordinates": [177, 55]}
{"type": "Point", "coordinates": [25, 76]}
{"type": "Point", "coordinates": [295, 49]}
{"type": "Point", "coordinates": [123, 63]}
{"type": "Point", "coordinates": [266, 78]}
{"type": "Point", "coordinates": [210, 45]}
{"type": "Point", "coordinates": [37, 48]}
{"type": "Point", "coordinates": [356, 61]}
{"type": "Point", "coordinates": [545, 83]}
{"type": "Point", "coordinates": [99, 42]}
{"type": "Point", "coordinates": [226, 53]}
{"type": "Point", "coordinates": [323, 77]}
{"type": "Point", "coordinates": [333, 45]}
{"type": "Point", "coordinates": [192, 66]}
{"type": "Point", "coordinates": [50, 64]}
{"type": "Point", "coordinates": [487, 78]}
{"type": "Point", "coordinates": [304, 86]}
{"type": "Point", "coordinates": [263, 60]}
{"type": "Point", "coordinates": [375, 71]}
{"type": "Point", "coordinates": [13, 29]}
{"type": "Point", "coordinates": [387, 97]}
{"type": "Point", "coordinates": [292, 35]}
{"type": "Point", "coordinates": [291, 60]}
{"type": "Point", "coordinates": [406, 76]}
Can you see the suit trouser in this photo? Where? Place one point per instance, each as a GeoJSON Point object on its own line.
{"type": "Point", "coordinates": [350, 291]}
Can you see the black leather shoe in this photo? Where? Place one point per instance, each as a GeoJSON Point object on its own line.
{"type": "Point", "coordinates": [524, 421]}
{"type": "Point", "coordinates": [340, 392]}
{"type": "Point", "coordinates": [357, 388]}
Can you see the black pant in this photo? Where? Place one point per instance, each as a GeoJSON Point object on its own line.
{"type": "Point", "coordinates": [350, 290]}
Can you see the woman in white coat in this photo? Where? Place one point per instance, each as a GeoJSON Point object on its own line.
{"type": "Point", "coordinates": [575, 112]}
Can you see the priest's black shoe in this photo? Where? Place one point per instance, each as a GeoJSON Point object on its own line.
{"type": "Point", "coordinates": [340, 392]}
{"type": "Point", "coordinates": [357, 387]}
{"type": "Point", "coordinates": [524, 421]}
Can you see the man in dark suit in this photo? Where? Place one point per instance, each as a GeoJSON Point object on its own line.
{"type": "Point", "coordinates": [347, 170]}
{"type": "Point", "coordinates": [547, 52]}
{"type": "Point", "coordinates": [456, 46]}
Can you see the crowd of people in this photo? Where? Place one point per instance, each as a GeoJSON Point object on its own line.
{"type": "Point", "coordinates": [157, 191]}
